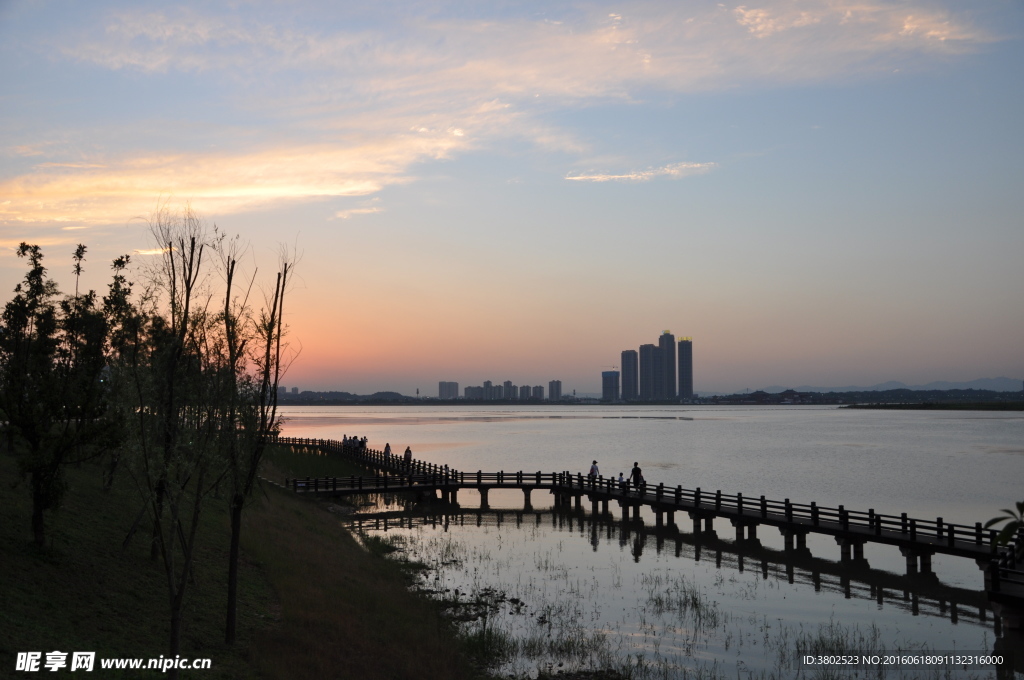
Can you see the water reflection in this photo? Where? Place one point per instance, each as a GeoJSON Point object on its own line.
{"type": "Point", "coordinates": [921, 595]}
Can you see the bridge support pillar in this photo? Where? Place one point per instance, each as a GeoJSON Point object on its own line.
{"type": "Point", "coordinates": [593, 505]}
{"type": "Point", "coordinates": [625, 512]}
{"type": "Point", "coordinates": [745, 530]}
{"type": "Point", "coordinates": [454, 497]}
{"type": "Point", "coordinates": [851, 549]}
{"type": "Point", "coordinates": [578, 498]}
{"type": "Point", "coordinates": [912, 556]}
{"type": "Point", "coordinates": [604, 507]}
{"type": "Point", "coordinates": [659, 517]}
{"type": "Point", "coordinates": [708, 520]}
{"type": "Point", "coordinates": [526, 498]}
{"type": "Point", "coordinates": [483, 498]}
{"type": "Point", "coordinates": [636, 512]}
{"type": "Point", "coordinates": [670, 517]}
{"type": "Point", "coordinates": [793, 539]}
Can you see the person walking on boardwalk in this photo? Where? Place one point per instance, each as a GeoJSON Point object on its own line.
{"type": "Point", "coordinates": [408, 456]}
{"type": "Point", "coordinates": [594, 471]}
{"type": "Point", "coordinates": [637, 476]}
{"type": "Point", "coordinates": [387, 454]}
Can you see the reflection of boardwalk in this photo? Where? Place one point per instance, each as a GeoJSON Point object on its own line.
{"type": "Point", "coordinates": [917, 539]}
{"type": "Point", "coordinates": [920, 596]}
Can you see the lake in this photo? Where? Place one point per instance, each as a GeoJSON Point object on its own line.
{"type": "Point", "coordinates": [593, 592]}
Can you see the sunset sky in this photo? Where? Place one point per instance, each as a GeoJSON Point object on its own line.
{"type": "Point", "coordinates": [820, 192]}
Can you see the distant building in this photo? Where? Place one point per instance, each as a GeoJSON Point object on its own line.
{"type": "Point", "coordinates": [685, 369]}
{"type": "Point", "coordinates": [630, 376]}
{"type": "Point", "coordinates": [609, 386]}
{"type": "Point", "coordinates": [282, 390]}
{"type": "Point", "coordinates": [667, 383]}
{"type": "Point", "coordinates": [555, 390]}
{"type": "Point", "coordinates": [508, 391]}
{"type": "Point", "coordinates": [447, 390]}
{"type": "Point", "coordinates": [474, 393]}
{"type": "Point", "coordinates": [538, 392]}
{"type": "Point", "coordinates": [295, 391]}
{"type": "Point", "coordinates": [524, 392]}
{"type": "Point", "coordinates": [650, 372]}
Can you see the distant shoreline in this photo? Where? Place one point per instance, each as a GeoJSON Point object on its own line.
{"type": "Point", "coordinates": [976, 406]}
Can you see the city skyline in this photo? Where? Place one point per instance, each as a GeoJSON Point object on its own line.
{"type": "Point", "coordinates": [821, 192]}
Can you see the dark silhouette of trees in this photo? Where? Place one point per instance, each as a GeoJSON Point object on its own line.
{"type": "Point", "coordinates": [52, 391]}
{"type": "Point", "coordinates": [175, 383]}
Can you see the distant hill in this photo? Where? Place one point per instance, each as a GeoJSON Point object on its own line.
{"type": "Point", "coordinates": [993, 384]}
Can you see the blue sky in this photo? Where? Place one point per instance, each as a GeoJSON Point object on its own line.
{"type": "Point", "coordinates": [821, 192]}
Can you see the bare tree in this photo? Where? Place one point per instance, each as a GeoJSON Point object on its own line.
{"type": "Point", "coordinates": [254, 346]}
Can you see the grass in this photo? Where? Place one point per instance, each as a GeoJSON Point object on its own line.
{"type": "Point", "coordinates": [83, 592]}
{"type": "Point", "coordinates": [312, 603]}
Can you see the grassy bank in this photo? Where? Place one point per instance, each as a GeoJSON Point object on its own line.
{"type": "Point", "coordinates": [312, 602]}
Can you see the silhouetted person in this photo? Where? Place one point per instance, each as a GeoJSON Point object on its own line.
{"type": "Point", "coordinates": [593, 470]}
{"type": "Point", "coordinates": [408, 456]}
{"type": "Point", "coordinates": [637, 477]}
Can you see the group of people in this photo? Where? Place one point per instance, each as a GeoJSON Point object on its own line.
{"type": "Point", "coordinates": [406, 457]}
{"type": "Point", "coordinates": [636, 476]}
{"type": "Point", "coordinates": [353, 441]}
{"type": "Point", "coordinates": [360, 443]}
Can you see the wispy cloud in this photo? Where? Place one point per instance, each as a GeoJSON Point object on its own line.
{"type": "Point", "coordinates": [368, 105]}
{"type": "Point", "coordinates": [673, 171]}
{"type": "Point", "coordinates": [346, 214]}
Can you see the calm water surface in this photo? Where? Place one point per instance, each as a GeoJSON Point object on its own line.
{"type": "Point", "coordinates": [622, 589]}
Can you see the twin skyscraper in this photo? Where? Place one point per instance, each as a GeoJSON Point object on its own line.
{"type": "Point", "coordinates": [653, 374]}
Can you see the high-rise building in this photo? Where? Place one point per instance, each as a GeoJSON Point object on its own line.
{"type": "Point", "coordinates": [555, 390]}
{"type": "Point", "coordinates": [667, 384]}
{"type": "Point", "coordinates": [447, 390]}
{"type": "Point", "coordinates": [506, 390]}
{"type": "Point", "coordinates": [538, 392]}
{"type": "Point", "coordinates": [295, 390]}
{"type": "Point", "coordinates": [281, 389]}
{"type": "Point", "coordinates": [609, 386]}
{"type": "Point", "coordinates": [650, 372]}
{"type": "Point", "coordinates": [685, 369]}
{"type": "Point", "coordinates": [524, 392]}
{"type": "Point", "coordinates": [630, 376]}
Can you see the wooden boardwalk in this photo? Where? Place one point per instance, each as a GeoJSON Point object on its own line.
{"type": "Point", "coordinates": [917, 539]}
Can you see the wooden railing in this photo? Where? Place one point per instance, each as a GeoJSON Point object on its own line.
{"type": "Point", "coordinates": [936, 534]}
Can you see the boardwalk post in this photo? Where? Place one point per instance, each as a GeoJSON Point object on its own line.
{"type": "Point", "coordinates": [814, 513]}
{"type": "Point", "coordinates": [739, 507]}
{"type": "Point", "coordinates": [764, 507]}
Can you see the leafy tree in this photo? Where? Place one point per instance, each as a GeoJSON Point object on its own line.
{"type": "Point", "coordinates": [52, 358]}
{"type": "Point", "coordinates": [1014, 523]}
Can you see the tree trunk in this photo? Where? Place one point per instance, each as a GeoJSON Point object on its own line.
{"type": "Point", "coordinates": [175, 633]}
{"type": "Point", "coordinates": [38, 505]}
{"type": "Point", "coordinates": [237, 502]}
